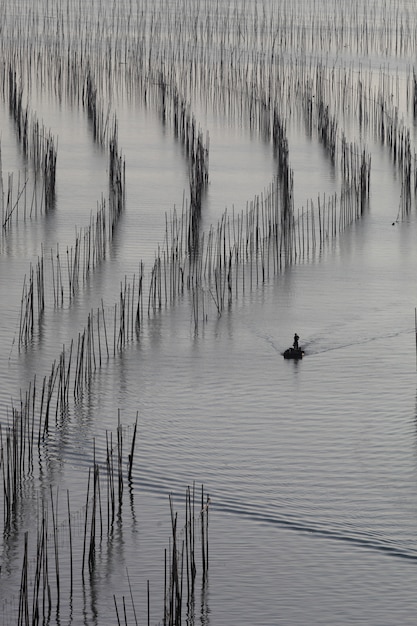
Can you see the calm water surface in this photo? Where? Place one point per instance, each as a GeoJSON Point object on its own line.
{"type": "Point", "coordinates": [311, 466]}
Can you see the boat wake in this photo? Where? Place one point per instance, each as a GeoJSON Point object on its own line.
{"type": "Point", "coordinates": [359, 538]}
{"type": "Point", "coordinates": [314, 346]}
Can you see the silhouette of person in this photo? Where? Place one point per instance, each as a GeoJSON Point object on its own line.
{"type": "Point", "coordinates": [295, 344]}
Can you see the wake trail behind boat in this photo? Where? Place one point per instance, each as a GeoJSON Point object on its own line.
{"type": "Point", "coordinates": [360, 539]}
{"type": "Point", "coordinates": [312, 346]}
{"type": "Point", "coordinates": [290, 522]}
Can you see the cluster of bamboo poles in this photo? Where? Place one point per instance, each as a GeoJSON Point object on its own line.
{"type": "Point", "coordinates": [30, 427]}
{"type": "Point", "coordinates": [327, 129]}
{"type": "Point", "coordinates": [241, 251]}
{"type": "Point", "coordinates": [38, 148]}
{"type": "Point", "coordinates": [42, 591]}
{"type": "Point", "coordinates": [269, 235]}
{"type": "Point", "coordinates": [24, 199]}
{"type": "Point", "coordinates": [180, 565]}
{"type": "Point", "coordinates": [100, 122]}
{"type": "Point", "coordinates": [159, 36]}
{"type": "Point", "coordinates": [36, 600]}
{"type": "Point", "coordinates": [380, 30]}
{"type": "Point", "coordinates": [185, 550]}
{"type": "Point", "coordinates": [17, 459]}
{"type": "Point", "coordinates": [36, 142]}
{"type": "Point", "coordinates": [256, 82]}
{"type": "Point", "coordinates": [95, 345]}
{"type": "Point", "coordinates": [175, 111]}
{"type": "Point", "coordinates": [89, 250]}
{"type": "Point", "coordinates": [117, 179]}
{"type": "Point", "coordinates": [19, 442]}
{"type": "Point", "coordinates": [394, 134]}
{"type": "Point", "coordinates": [248, 248]}
{"type": "Point", "coordinates": [95, 526]}
{"type": "Point", "coordinates": [27, 304]}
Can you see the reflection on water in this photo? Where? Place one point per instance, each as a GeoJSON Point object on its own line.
{"type": "Point", "coordinates": [310, 464]}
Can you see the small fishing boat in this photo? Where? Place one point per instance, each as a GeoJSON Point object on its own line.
{"type": "Point", "coordinates": [293, 353]}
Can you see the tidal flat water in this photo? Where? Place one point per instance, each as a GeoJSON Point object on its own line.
{"type": "Point", "coordinates": [184, 186]}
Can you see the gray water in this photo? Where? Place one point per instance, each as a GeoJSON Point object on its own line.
{"type": "Point", "coordinates": [311, 465]}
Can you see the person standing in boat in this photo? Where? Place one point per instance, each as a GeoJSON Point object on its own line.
{"type": "Point", "coordinates": [295, 344]}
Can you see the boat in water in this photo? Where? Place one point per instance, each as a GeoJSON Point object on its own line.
{"type": "Point", "coordinates": [293, 353]}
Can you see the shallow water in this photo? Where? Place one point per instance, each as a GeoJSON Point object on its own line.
{"type": "Point", "coordinates": [310, 465]}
